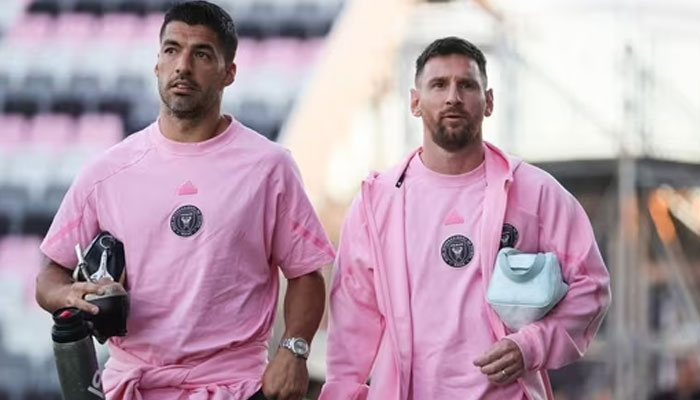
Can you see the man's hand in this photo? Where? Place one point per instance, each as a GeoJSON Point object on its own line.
{"type": "Point", "coordinates": [56, 289]}
{"type": "Point", "coordinates": [502, 363]}
{"type": "Point", "coordinates": [286, 377]}
{"type": "Point", "coordinates": [75, 295]}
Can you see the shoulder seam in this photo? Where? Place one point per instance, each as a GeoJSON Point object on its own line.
{"type": "Point", "coordinates": [120, 169]}
{"type": "Point", "coordinates": [125, 166]}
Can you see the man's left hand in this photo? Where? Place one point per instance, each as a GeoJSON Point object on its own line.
{"type": "Point", "coordinates": [286, 377]}
{"type": "Point", "coordinates": [502, 363]}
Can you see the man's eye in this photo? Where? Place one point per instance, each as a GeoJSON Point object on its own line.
{"type": "Point", "coordinates": [169, 50]}
{"type": "Point", "coordinates": [201, 54]}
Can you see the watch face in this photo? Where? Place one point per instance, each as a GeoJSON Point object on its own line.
{"type": "Point", "coordinates": [300, 346]}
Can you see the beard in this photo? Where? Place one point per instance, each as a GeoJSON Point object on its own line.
{"type": "Point", "coordinates": [189, 107]}
{"type": "Point", "coordinates": [456, 137]}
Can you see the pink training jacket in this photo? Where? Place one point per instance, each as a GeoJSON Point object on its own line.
{"type": "Point", "coordinates": [370, 326]}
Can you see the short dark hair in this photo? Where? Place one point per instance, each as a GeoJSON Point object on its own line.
{"type": "Point", "coordinates": [210, 15]}
{"type": "Point", "coordinates": [448, 46]}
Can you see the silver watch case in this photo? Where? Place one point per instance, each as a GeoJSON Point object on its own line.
{"type": "Point", "coordinates": [298, 346]}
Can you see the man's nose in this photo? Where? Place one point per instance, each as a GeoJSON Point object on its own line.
{"type": "Point", "coordinates": [453, 95]}
{"type": "Point", "coordinates": [184, 63]}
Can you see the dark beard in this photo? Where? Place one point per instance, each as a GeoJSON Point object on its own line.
{"type": "Point", "coordinates": [455, 141]}
{"type": "Point", "coordinates": [187, 108]}
{"type": "Point", "coordinates": [182, 109]}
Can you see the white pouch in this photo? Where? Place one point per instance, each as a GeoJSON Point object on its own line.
{"type": "Point", "coordinates": [524, 286]}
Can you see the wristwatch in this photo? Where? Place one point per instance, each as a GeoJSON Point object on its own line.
{"type": "Point", "coordinates": [298, 346]}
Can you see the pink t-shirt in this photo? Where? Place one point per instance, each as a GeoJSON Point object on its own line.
{"type": "Point", "coordinates": [450, 330]}
{"type": "Point", "coordinates": [205, 226]}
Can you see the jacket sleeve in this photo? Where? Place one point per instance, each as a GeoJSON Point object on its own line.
{"type": "Point", "coordinates": [565, 333]}
{"type": "Point", "coordinates": [356, 325]}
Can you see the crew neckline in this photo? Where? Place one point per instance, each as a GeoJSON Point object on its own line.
{"type": "Point", "coordinates": [420, 170]}
{"type": "Point", "coordinates": [193, 148]}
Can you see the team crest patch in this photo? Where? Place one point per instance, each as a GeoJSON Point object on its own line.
{"type": "Point", "coordinates": [457, 251]}
{"type": "Point", "coordinates": [186, 221]}
{"type": "Point", "coordinates": [509, 236]}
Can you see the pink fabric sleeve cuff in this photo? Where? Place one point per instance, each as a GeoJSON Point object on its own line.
{"type": "Point", "coordinates": [344, 391]}
{"type": "Point", "coordinates": [520, 339]}
{"type": "Point", "coordinates": [307, 267]}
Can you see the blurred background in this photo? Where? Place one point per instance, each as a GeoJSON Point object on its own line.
{"type": "Point", "coordinates": [603, 94]}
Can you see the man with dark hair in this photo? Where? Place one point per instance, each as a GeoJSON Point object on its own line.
{"type": "Point", "coordinates": [209, 211]}
{"type": "Point", "coordinates": [418, 249]}
{"type": "Point", "coordinates": [209, 15]}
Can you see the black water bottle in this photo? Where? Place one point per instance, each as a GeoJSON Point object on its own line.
{"type": "Point", "coordinates": [76, 361]}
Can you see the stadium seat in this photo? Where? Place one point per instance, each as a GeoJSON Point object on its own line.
{"type": "Point", "coordinates": [50, 7]}
{"type": "Point", "coordinates": [67, 167]}
{"type": "Point", "coordinates": [51, 132]}
{"type": "Point", "coordinates": [4, 82]}
{"type": "Point", "coordinates": [259, 116]}
{"type": "Point", "coordinates": [14, 134]}
{"type": "Point", "coordinates": [94, 7]}
{"type": "Point", "coordinates": [38, 82]}
{"type": "Point", "coordinates": [25, 103]}
{"type": "Point", "coordinates": [14, 199]}
{"type": "Point", "coordinates": [10, 11]}
{"type": "Point", "coordinates": [56, 58]}
{"type": "Point", "coordinates": [143, 115]}
{"type": "Point", "coordinates": [70, 103]}
{"type": "Point", "coordinates": [247, 18]}
{"type": "Point", "coordinates": [247, 56]}
{"type": "Point", "coordinates": [132, 85]}
{"type": "Point", "coordinates": [159, 6]}
{"type": "Point", "coordinates": [115, 28]}
{"type": "Point", "coordinates": [86, 85]}
{"type": "Point", "coordinates": [75, 28]}
{"type": "Point", "coordinates": [15, 67]}
{"type": "Point", "coordinates": [37, 221]}
{"type": "Point", "coordinates": [33, 28]}
{"type": "Point", "coordinates": [5, 222]}
{"type": "Point", "coordinates": [32, 169]}
{"type": "Point", "coordinates": [99, 131]}
{"type": "Point", "coordinates": [150, 28]}
{"type": "Point", "coordinates": [114, 103]}
{"type": "Point", "coordinates": [316, 19]}
{"type": "Point", "coordinates": [135, 7]}
{"type": "Point", "coordinates": [290, 25]}
{"type": "Point", "coordinates": [101, 59]}
{"type": "Point", "coordinates": [53, 196]}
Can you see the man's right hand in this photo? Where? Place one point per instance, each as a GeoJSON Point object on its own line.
{"type": "Point", "coordinates": [56, 289]}
{"type": "Point", "coordinates": [75, 295]}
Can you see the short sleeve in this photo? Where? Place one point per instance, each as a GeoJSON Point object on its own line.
{"type": "Point", "coordinates": [75, 222]}
{"type": "Point", "coordinates": [299, 243]}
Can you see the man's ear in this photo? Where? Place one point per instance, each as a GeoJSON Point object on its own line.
{"type": "Point", "coordinates": [415, 103]}
{"type": "Point", "coordinates": [230, 74]}
{"type": "Point", "coordinates": [489, 103]}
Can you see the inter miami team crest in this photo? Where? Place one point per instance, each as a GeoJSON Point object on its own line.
{"type": "Point", "coordinates": [457, 251]}
{"type": "Point", "coordinates": [509, 236]}
{"type": "Point", "coordinates": [186, 220]}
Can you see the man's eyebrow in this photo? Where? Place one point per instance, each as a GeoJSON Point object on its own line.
{"type": "Point", "coordinates": [467, 80]}
{"type": "Point", "coordinates": [437, 79]}
{"type": "Point", "coordinates": [204, 46]}
{"type": "Point", "coordinates": [198, 46]}
{"type": "Point", "coordinates": [170, 42]}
